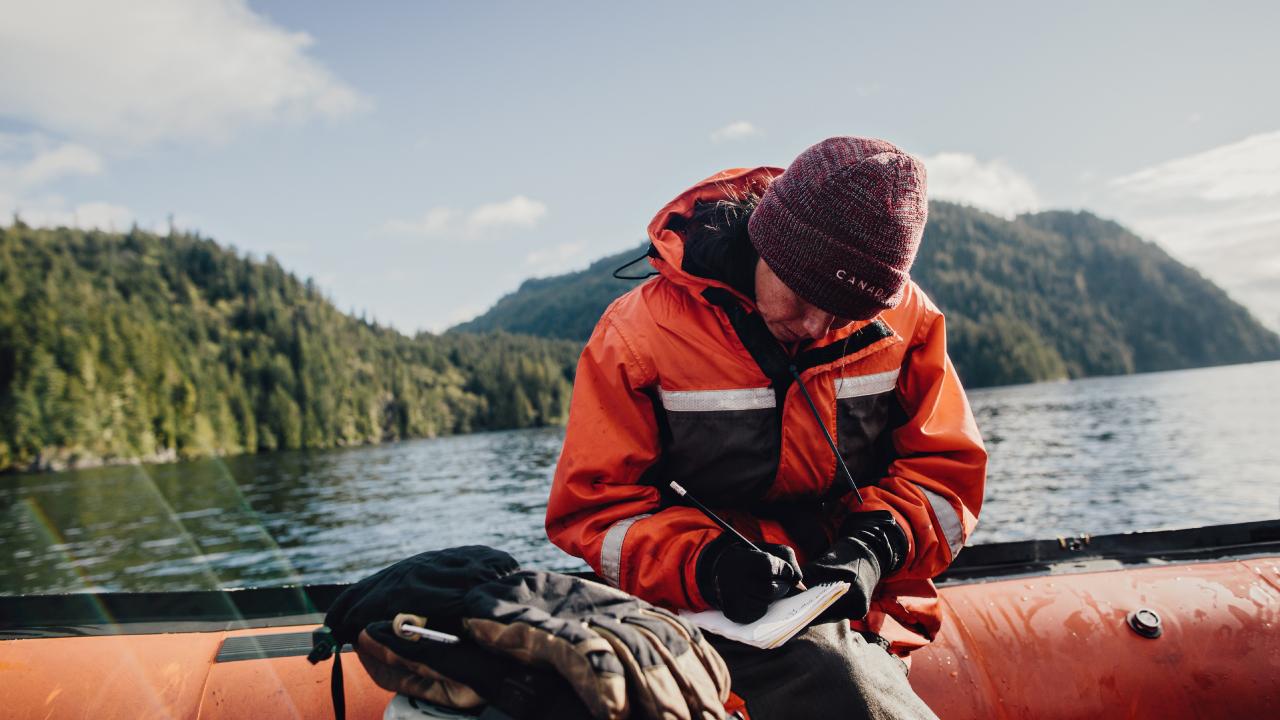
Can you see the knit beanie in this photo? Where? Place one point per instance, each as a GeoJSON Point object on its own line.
{"type": "Point", "coordinates": [841, 226]}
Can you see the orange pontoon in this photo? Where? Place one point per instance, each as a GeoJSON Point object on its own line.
{"type": "Point", "coordinates": [1169, 624]}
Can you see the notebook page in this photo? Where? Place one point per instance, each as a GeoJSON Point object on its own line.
{"type": "Point", "coordinates": [781, 621]}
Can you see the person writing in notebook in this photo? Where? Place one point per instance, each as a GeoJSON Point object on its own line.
{"type": "Point", "coordinates": [782, 324]}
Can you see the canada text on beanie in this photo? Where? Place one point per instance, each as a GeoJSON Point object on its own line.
{"type": "Point", "coordinates": [842, 225]}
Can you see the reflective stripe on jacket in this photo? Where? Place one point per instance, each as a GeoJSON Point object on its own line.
{"type": "Point", "coordinates": [677, 384]}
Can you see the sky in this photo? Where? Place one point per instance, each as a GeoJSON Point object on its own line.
{"type": "Point", "coordinates": [421, 159]}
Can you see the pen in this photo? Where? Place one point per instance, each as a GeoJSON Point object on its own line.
{"type": "Point", "coordinates": [430, 634]}
{"type": "Point", "coordinates": [719, 520]}
{"type": "Point", "coordinates": [707, 511]}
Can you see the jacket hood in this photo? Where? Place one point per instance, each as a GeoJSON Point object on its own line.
{"type": "Point", "coordinates": [668, 251]}
{"type": "Point", "coordinates": [669, 243]}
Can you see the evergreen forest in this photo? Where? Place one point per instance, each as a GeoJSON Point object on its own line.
{"type": "Point", "coordinates": [1045, 296]}
{"type": "Point", "coordinates": [136, 346]}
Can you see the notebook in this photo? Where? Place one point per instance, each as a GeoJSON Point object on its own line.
{"type": "Point", "coordinates": [781, 621]}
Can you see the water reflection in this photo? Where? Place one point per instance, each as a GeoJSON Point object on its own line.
{"type": "Point", "coordinates": [1103, 455]}
{"type": "Point", "coordinates": [1172, 449]}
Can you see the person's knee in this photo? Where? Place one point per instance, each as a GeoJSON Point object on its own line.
{"type": "Point", "coordinates": [848, 666]}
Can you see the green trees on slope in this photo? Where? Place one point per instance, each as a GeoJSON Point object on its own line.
{"type": "Point", "coordinates": [1046, 296]}
{"type": "Point", "coordinates": [140, 346]}
{"type": "Point", "coordinates": [1068, 294]}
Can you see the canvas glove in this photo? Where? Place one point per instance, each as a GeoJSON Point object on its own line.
{"type": "Point", "coordinates": [870, 545]}
{"type": "Point", "coordinates": [742, 582]}
{"type": "Point", "coordinates": [622, 656]}
{"type": "Point", "coordinates": [534, 644]}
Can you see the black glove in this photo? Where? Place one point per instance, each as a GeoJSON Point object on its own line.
{"type": "Point", "coordinates": [871, 544]}
{"type": "Point", "coordinates": [743, 582]}
{"type": "Point", "coordinates": [431, 584]}
{"type": "Point", "coordinates": [532, 644]}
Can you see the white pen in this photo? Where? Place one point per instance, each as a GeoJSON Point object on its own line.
{"type": "Point", "coordinates": [430, 634]}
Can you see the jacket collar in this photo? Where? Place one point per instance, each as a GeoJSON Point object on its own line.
{"type": "Point", "coordinates": [668, 245]}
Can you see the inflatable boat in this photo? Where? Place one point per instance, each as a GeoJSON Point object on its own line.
{"type": "Point", "coordinates": [1164, 624]}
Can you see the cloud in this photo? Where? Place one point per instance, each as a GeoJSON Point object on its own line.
{"type": "Point", "coordinates": [1218, 210]}
{"type": "Point", "coordinates": [554, 259]}
{"type": "Point", "coordinates": [457, 315]}
{"type": "Point", "coordinates": [66, 159]}
{"type": "Point", "coordinates": [55, 211]}
{"type": "Point", "coordinates": [1249, 168]}
{"type": "Point", "coordinates": [436, 221]}
{"type": "Point", "coordinates": [992, 186]}
{"type": "Point", "coordinates": [518, 212]}
{"type": "Point", "coordinates": [145, 71]}
{"type": "Point", "coordinates": [740, 130]}
{"type": "Point", "coordinates": [31, 160]}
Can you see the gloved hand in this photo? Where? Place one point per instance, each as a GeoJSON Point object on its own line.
{"type": "Point", "coordinates": [743, 582]}
{"type": "Point", "coordinates": [871, 544]}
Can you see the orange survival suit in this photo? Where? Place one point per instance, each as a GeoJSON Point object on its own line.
{"type": "Point", "coordinates": [669, 387]}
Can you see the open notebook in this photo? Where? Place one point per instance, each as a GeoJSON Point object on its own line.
{"type": "Point", "coordinates": [781, 621]}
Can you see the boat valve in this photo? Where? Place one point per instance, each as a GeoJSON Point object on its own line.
{"type": "Point", "coordinates": [1145, 622]}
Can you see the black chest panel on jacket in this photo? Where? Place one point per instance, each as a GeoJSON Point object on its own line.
{"type": "Point", "coordinates": [729, 458]}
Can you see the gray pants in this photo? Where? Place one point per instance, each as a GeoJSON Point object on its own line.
{"type": "Point", "coordinates": [827, 671]}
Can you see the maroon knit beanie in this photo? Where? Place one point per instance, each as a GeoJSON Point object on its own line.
{"type": "Point", "coordinates": [842, 225]}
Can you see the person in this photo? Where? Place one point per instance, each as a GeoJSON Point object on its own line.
{"type": "Point", "coordinates": [782, 327]}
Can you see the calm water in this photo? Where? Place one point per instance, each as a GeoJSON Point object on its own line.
{"type": "Point", "coordinates": [1104, 455]}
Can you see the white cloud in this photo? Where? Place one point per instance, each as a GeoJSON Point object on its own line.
{"type": "Point", "coordinates": [107, 216]}
{"type": "Point", "coordinates": [518, 212]}
{"type": "Point", "coordinates": [436, 221]}
{"type": "Point", "coordinates": [457, 315]}
{"type": "Point", "coordinates": [55, 211]}
{"type": "Point", "coordinates": [992, 186]}
{"type": "Point", "coordinates": [554, 259]}
{"type": "Point", "coordinates": [133, 73]}
{"type": "Point", "coordinates": [1218, 210]}
{"type": "Point", "coordinates": [740, 130]}
{"type": "Point", "coordinates": [31, 160]}
{"type": "Point", "coordinates": [1249, 168]}
{"type": "Point", "coordinates": [66, 159]}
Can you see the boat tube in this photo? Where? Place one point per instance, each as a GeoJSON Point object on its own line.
{"type": "Point", "coordinates": [1169, 624]}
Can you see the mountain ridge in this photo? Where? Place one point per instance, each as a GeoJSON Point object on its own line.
{"type": "Point", "coordinates": [1049, 295]}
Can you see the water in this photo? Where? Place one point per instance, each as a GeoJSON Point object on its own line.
{"type": "Point", "coordinates": [1175, 449]}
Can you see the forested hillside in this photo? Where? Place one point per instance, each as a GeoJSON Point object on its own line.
{"type": "Point", "coordinates": [1044, 296]}
{"type": "Point", "coordinates": [119, 347]}
{"type": "Point", "coordinates": [138, 346]}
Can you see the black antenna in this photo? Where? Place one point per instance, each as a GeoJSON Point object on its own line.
{"type": "Point", "coordinates": [825, 433]}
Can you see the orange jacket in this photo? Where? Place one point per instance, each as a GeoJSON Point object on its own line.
{"type": "Point", "coordinates": [668, 389]}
